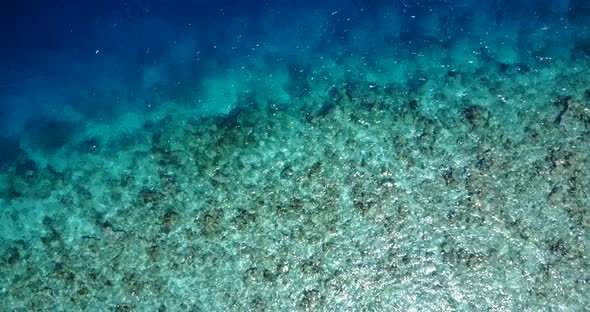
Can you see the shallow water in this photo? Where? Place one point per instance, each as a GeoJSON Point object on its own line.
{"type": "Point", "coordinates": [356, 156]}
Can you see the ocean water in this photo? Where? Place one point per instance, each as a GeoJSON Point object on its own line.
{"type": "Point", "coordinates": [355, 155]}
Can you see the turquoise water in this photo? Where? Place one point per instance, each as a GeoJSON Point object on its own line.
{"type": "Point", "coordinates": [337, 156]}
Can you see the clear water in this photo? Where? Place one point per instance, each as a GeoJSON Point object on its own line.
{"type": "Point", "coordinates": [295, 156]}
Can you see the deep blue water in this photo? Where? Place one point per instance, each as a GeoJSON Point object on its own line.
{"type": "Point", "coordinates": [64, 53]}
